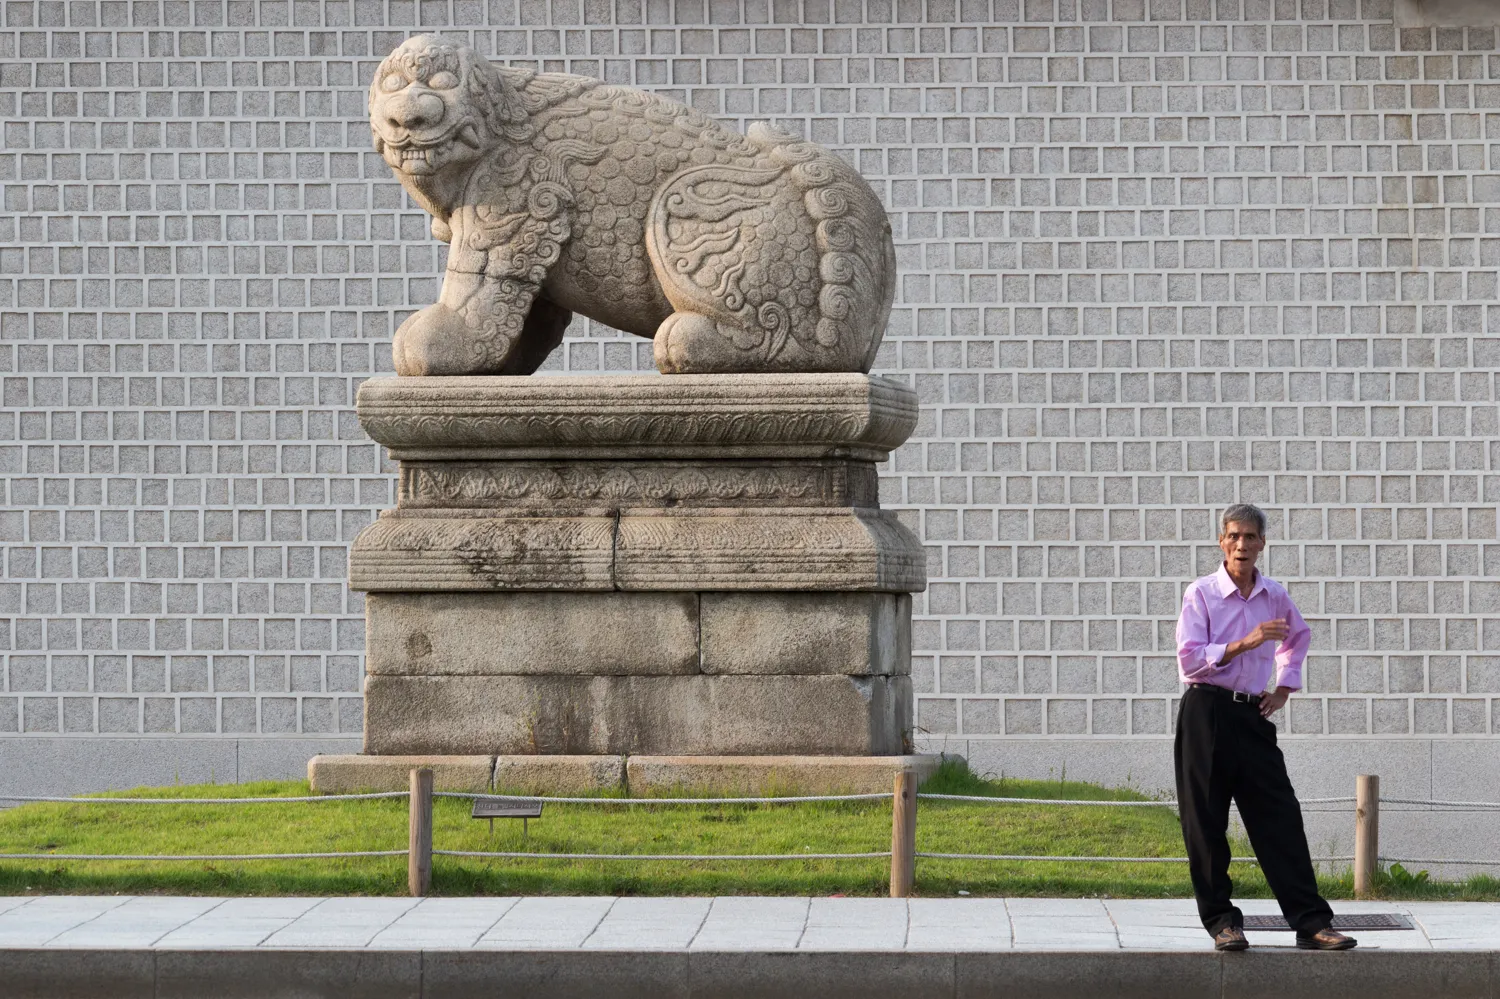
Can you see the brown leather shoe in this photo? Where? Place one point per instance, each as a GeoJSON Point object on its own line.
{"type": "Point", "coordinates": [1230, 938]}
{"type": "Point", "coordinates": [1326, 939]}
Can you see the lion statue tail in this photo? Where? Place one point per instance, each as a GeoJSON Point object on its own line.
{"type": "Point", "coordinates": [857, 258]}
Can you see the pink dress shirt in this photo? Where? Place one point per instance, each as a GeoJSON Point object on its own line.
{"type": "Point", "coordinates": [1214, 615]}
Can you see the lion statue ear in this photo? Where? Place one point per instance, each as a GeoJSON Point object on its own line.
{"type": "Point", "coordinates": [495, 99]}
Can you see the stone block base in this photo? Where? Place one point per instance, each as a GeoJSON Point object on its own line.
{"type": "Point", "coordinates": [357, 774]}
{"type": "Point", "coordinates": [692, 565]}
{"type": "Point", "coordinates": [772, 775]}
{"type": "Point", "coordinates": [571, 715]}
{"type": "Point", "coordinates": [642, 776]}
{"type": "Point", "coordinates": [558, 775]}
{"type": "Point", "coordinates": [637, 634]}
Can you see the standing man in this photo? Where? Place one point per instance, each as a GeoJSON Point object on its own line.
{"type": "Point", "coordinates": [1237, 626]}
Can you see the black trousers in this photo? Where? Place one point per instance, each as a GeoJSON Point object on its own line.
{"type": "Point", "coordinates": [1225, 750]}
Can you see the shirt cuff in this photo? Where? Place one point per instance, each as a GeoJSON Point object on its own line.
{"type": "Point", "coordinates": [1213, 656]}
{"type": "Point", "coordinates": [1289, 676]}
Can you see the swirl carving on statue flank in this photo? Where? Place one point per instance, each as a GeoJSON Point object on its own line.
{"type": "Point", "coordinates": [736, 253]}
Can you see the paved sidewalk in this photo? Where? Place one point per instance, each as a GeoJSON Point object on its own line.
{"type": "Point", "coordinates": [728, 948]}
{"type": "Point", "coordinates": [734, 923]}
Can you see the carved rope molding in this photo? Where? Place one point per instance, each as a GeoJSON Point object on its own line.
{"type": "Point", "coordinates": [440, 485]}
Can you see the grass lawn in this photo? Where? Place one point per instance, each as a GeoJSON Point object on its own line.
{"type": "Point", "coordinates": [942, 827]}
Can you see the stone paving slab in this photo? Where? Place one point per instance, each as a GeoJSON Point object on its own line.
{"type": "Point", "coordinates": [547, 923]}
{"type": "Point", "coordinates": [753, 923]}
{"type": "Point", "coordinates": [731, 923]}
{"type": "Point", "coordinates": [727, 948]}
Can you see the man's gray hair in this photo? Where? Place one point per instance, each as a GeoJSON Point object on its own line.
{"type": "Point", "coordinates": [1243, 513]}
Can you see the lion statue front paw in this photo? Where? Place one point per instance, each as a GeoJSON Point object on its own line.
{"type": "Point", "coordinates": [434, 341]}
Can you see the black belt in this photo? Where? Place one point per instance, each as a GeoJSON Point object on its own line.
{"type": "Point", "coordinates": [1238, 695]}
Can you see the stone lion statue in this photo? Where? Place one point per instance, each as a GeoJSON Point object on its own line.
{"type": "Point", "coordinates": [560, 194]}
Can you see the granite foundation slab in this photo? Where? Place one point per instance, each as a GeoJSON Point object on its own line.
{"type": "Point", "coordinates": [819, 548]}
{"type": "Point", "coordinates": [354, 774]}
{"type": "Point", "coordinates": [773, 775]}
{"type": "Point", "coordinates": [637, 775]}
{"type": "Point", "coordinates": [638, 634]}
{"type": "Point", "coordinates": [558, 775]}
{"type": "Point", "coordinates": [854, 634]}
{"type": "Point", "coordinates": [486, 634]}
{"type": "Point", "coordinates": [423, 551]}
{"type": "Point", "coordinates": [688, 715]}
{"type": "Point", "coordinates": [774, 416]}
{"type": "Point", "coordinates": [540, 588]}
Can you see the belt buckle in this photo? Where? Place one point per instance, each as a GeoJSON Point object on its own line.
{"type": "Point", "coordinates": [1240, 695]}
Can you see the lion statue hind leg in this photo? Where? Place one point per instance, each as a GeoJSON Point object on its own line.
{"type": "Point", "coordinates": [690, 343]}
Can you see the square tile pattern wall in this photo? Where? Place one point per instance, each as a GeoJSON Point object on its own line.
{"type": "Point", "coordinates": [1156, 256]}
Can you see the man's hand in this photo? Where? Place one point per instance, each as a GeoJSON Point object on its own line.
{"type": "Point", "coordinates": [1274, 630]}
{"type": "Point", "coordinates": [1272, 702]}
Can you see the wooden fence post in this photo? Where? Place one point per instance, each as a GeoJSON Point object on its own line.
{"type": "Point", "coordinates": [1366, 832]}
{"type": "Point", "coordinates": [419, 828]}
{"type": "Point", "coordinates": [904, 834]}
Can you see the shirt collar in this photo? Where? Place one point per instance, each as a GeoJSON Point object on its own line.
{"type": "Point", "coordinates": [1227, 586]}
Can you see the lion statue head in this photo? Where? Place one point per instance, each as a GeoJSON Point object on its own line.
{"type": "Point", "coordinates": [435, 107]}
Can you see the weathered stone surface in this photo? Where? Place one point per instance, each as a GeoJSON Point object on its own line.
{"type": "Point", "coordinates": [806, 633]}
{"type": "Point", "coordinates": [524, 552]}
{"type": "Point", "coordinates": [772, 775]}
{"type": "Point", "coordinates": [559, 485]}
{"type": "Point", "coordinates": [791, 549]}
{"type": "Point", "coordinates": [537, 590]}
{"type": "Point", "coordinates": [353, 774]}
{"type": "Point", "coordinates": [619, 417]}
{"type": "Point", "coordinates": [562, 194]}
{"type": "Point", "coordinates": [558, 775]}
{"type": "Point", "coordinates": [439, 634]}
{"type": "Point", "coordinates": [680, 715]}
{"type": "Point", "coordinates": [837, 548]}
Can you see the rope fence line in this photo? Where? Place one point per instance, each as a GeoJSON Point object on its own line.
{"type": "Point", "coordinates": [1479, 805]}
{"type": "Point", "coordinates": [665, 856]}
{"type": "Point", "coordinates": [477, 796]}
{"type": "Point", "coordinates": [902, 854]}
{"type": "Point", "coordinates": [873, 796]}
{"type": "Point", "coordinates": [1095, 860]}
{"type": "Point", "coordinates": [202, 856]}
{"type": "Point", "coordinates": [1149, 803]}
{"type": "Point", "coordinates": [206, 801]}
{"type": "Point", "coordinates": [990, 800]}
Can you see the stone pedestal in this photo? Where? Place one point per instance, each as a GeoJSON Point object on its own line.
{"type": "Point", "coordinates": [638, 565]}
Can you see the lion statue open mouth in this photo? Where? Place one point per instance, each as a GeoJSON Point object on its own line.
{"type": "Point", "coordinates": [560, 194]}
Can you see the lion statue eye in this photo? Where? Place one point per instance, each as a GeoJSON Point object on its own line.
{"type": "Point", "coordinates": [392, 83]}
{"type": "Point", "coordinates": [442, 81]}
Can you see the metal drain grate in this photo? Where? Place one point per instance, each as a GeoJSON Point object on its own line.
{"type": "Point", "coordinates": [1348, 921]}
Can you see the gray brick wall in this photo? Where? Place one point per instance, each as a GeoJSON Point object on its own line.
{"type": "Point", "coordinates": [1157, 256]}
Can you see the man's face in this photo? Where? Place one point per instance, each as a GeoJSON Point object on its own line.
{"type": "Point", "coordinates": [1241, 543]}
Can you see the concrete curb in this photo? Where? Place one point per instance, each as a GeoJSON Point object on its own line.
{"type": "Point", "coordinates": [56, 973]}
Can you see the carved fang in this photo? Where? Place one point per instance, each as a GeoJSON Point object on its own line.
{"type": "Point", "coordinates": [469, 135]}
